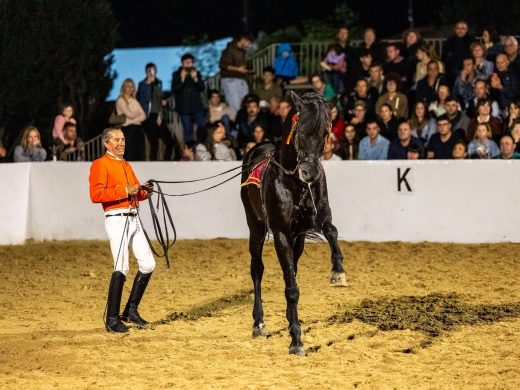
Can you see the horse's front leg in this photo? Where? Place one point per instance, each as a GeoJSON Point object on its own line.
{"type": "Point", "coordinates": [337, 277]}
{"type": "Point", "coordinates": [284, 249]}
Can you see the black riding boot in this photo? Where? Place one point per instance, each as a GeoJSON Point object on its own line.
{"type": "Point", "coordinates": [113, 321]}
{"type": "Point", "coordinates": [130, 314]}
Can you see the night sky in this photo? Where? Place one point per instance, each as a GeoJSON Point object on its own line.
{"type": "Point", "coordinates": [167, 22]}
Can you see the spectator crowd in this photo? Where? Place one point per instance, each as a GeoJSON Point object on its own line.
{"type": "Point", "coordinates": [398, 100]}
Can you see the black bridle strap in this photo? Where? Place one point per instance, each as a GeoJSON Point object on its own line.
{"type": "Point", "coordinates": [196, 180]}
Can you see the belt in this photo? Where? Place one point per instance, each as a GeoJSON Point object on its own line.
{"type": "Point", "coordinates": [121, 215]}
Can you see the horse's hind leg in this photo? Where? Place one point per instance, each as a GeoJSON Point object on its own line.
{"type": "Point", "coordinates": [337, 277]}
{"type": "Point", "coordinates": [299, 243]}
{"type": "Point", "coordinates": [256, 244]}
{"type": "Point", "coordinates": [285, 253]}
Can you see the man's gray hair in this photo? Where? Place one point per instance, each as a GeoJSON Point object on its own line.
{"type": "Point", "coordinates": [105, 136]}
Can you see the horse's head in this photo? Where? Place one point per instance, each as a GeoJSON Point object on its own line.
{"type": "Point", "coordinates": [311, 125]}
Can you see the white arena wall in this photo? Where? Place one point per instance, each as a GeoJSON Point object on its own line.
{"type": "Point", "coordinates": [440, 201]}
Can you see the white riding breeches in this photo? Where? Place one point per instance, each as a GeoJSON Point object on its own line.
{"type": "Point", "coordinates": [122, 229]}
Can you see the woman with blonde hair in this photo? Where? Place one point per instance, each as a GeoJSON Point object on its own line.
{"type": "Point", "coordinates": [30, 148]}
{"type": "Point", "coordinates": [482, 146]}
{"type": "Point", "coordinates": [127, 105]}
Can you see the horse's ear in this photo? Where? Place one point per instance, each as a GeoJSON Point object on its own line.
{"type": "Point", "coordinates": [296, 100]}
{"type": "Point", "coordinates": [332, 102]}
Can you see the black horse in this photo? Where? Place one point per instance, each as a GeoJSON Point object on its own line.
{"type": "Point", "coordinates": [291, 200]}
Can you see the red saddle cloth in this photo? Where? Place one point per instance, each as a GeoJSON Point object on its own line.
{"type": "Point", "coordinates": [255, 177]}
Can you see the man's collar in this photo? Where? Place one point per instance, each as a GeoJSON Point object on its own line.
{"type": "Point", "coordinates": [113, 156]}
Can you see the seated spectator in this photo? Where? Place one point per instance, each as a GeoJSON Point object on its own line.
{"type": "Point", "coordinates": [269, 88]}
{"type": "Point", "coordinates": [422, 126]}
{"type": "Point", "coordinates": [286, 66]}
{"type": "Point", "coordinates": [483, 67]}
{"type": "Point", "coordinates": [278, 121]}
{"type": "Point", "coordinates": [507, 148]}
{"type": "Point", "coordinates": [482, 146]}
{"type": "Point", "coordinates": [460, 150]}
{"type": "Point", "coordinates": [358, 120]}
{"type": "Point", "coordinates": [249, 146]}
{"type": "Point", "coordinates": [396, 63]}
{"type": "Point", "coordinates": [30, 148]}
{"type": "Point", "coordinates": [348, 147]}
{"type": "Point", "coordinates": [247, 125]}
{"type": "Point", "coordinates": [73, 148]}
{"type": "Point", "coordinates": [374, 146]}
{"type": "Point", "coordinates": [395, 99]}
{"type": "Point", "coordinates": [464, 88]}
{"type": "Point", "coordinates": [436, 107]}
{"type": "Point", "coordinates": [219, 111]}
{"type": "Point", "coordinates": [132, 128]}
{"type": "Point", "coordinates": [335, 67]}
{"type": "Point", "coordinates": [320, 87]}
{"type": "Point", "coordinates": [441, 143]}
{"type": "Point", "coordinates": [376, 79]}
{"type": "Point", "coordinates": [361, 93]}
{"type": "Point", "coordinates": [373, 45]}
{"type": "Point", "coordinates": [188, 151]}
{"type": "Point", "coordinates": [360, 69]}
{"type": "Point", "coordinates": [214, 149]}
{"type": "Point", "coordinates": [398, 149]}
{"type": "Point", "coordinates": [65, 115]}
{"type": "Point", "coordinates": [490, 40]}
{"type": "Point", "coordinates": [426, 53]}
{"type": "Point", "coordinates": [484, 116]}
{"type": "Point", "coordinates": [513, 115]}
{"type": "Point", "coordinates": [515, 133]}
{"type": "Point", "coordinates": [328, 151]}
{"type": "Point", "coordinates": [259, 133]}
{"type": "Point", "coordinates": [428, 87]}
{"type": "Point", "coordinates": [481, 92]}
{"type": "Point", "coordinates": [511, 52]}
{"type": "Point", "coordinates": [413, 154]}
{"type": "Point", "coordinates": [338, 125]}
{"type": "Point", "coordinates": [388, 122]}
{"type": "Point", "coordinates": [458, 119]}
{"type": "Point", "coordinates": [504, 82]}
{"type": "Point", "coordinates": [412, 40]}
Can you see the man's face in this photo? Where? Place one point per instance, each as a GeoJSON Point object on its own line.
{"type": "Point", "coordinates": [244, 43]}
{"type": "Point", "coordinates": [404, 132]}
{"type": "Point", "coordinates": [372, 130]}
{"type": "Point", "coordinates": [316, 82]}
{"type": "Point", "coordinates": [502, 62]}
{"type": "Point", "coordinates": [375, 72]}
{"type": "Point", "coordinates": [214, 99]}
{"type": "Point", "coordinates": [151, 71]}
{"type": "Point", "coordinates": [444, 127]}
{"type": "Point", "coordinates": [252, 109]}
{"type": "Point", "coordinates": [432, 69]}
{"type": "Point", "coordinates": [342, 35]}
{"type": "Point", "coordinates": [285, 108]}
{"type": "Point", "coordinates": [451, 107]}
{"type": "Point", "coordinates": [187, 63]}
{"type": "Point", "coordinates": [507, 147]}
{"type": "Point", "coordinates": [461, 29]}
{"type": "Point", "coordinates": [268, 77]}
{"type": "Point", "coordinates": [480, 90]}
{"type": "Point", "coordinates": [391, 53]}
{"type": "Point", "coordinates": [511, 48]}
{"type": "Point", "coordinates": [361, 88]}
{"type": "Point", "coordinates": [116, 143]}
{"type": "Point", "coordinates": [468, 65]}
{"type": "Point", "coordinates": [70, 133]}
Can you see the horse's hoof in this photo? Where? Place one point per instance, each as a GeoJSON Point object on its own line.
{"type": "Point", "coordinates": [297, 350]}
{"type": "Point", "coordinates": [338, 279]}
{"type": "Point", "coordinates": [258, 331]}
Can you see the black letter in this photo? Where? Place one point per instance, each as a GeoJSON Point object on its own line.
{"type": "Point", "coordinates": [402, 179]}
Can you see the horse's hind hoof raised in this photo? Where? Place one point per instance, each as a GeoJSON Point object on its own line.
{"type": "Point", "coordinates": [258, 331]}
{"type": "Point", "coordinates": [297, 350]}
{"type": "Point", "coordinates": [338, 279]}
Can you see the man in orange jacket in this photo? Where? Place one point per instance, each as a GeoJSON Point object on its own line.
{"type": "Point", "coordinates": [114, 185]}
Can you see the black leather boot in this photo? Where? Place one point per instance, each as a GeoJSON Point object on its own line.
{"type": "Point", "coordinates": [130, 314]}
{"type": "Point", "coordinates": [113, 321]}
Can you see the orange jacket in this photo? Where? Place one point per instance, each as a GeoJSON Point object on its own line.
{"type": "Point", "coordinates": [108, 179]}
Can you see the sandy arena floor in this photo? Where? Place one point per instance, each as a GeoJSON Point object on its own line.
{"type": "Point", "coordinates": [414, 316]}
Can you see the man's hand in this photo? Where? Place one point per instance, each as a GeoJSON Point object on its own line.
{"type": "Point", "coordinates": [148, 186]}
{"type": "Point", "coordinates": [132, 190]}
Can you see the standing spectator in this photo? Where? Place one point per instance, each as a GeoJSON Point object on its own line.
{"type": "Point", "coordinates": [422, 126]}
{"type": "Point", "coordinates": [149, 95]}
{"type": "Point", "coordinates": [511, 51]}
{"type": "Point", "coordinates": [348, 147]}
{"type": "Point", "coordinates": [481, 92]}
{"type": "Point", "coordinates": [464, 87]}
{"type": "Point", "coordinates": [269, 88]}
{"type": "Point", "coordinates": [335, 66]}
{"type": "Point", "coordinates": [233, 70]}
{"type": "Point", "coordinates": [482, 146]}
{"type": "Point", "coordinates": [483, 67]}
{"type": "Point", "coordinates": [507, 148]}
{"type": "Point", "coordinates": [441, 143]}
{"type": "Point", "coordinates": [458, 119]}
{"type": "Point", "coordinates": [128, 105]}
{"type": "Point", "coordinates": [374, 146]}
{"type": "Point", "coordinates": [491, 42]}
{"type": "Point", "coordinates": [504, 82]}
{"type": "Point", "coordinates": [484, 116]}
{"type": "Point", "coordinates": [388, 122]}
{"type": "Point", "coordinates": [428, 86]}
{"type": "Point", "coordinates": [395, 99]}
{"type": "Point", "coordinates": [187, 86]}
{"type": "Point", "coordinates": [348, 76]}
{"type": "Point", "coordinates": [396, 64]}
{"type": "Point", "coordinates": [361, 93]}
{"type": "Point", "coordinates": [73, 149]}
{"type": "Point", "coordinates": [65, 115]}
{"type": "Point", "coordinates": [398, 149]}
{"type": "Point", "coordinates": [373, 45]}
{"type": "Point", "coordinates": [30, 148]}
{"type": "Point", "coordinates": [213, 148]}
{"type": "Point", "coordinates": [412, 40]}
{"type": "Point", "coordinates": [455, 49]}
{"type": "Point", "coordinates": [320, 87]}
